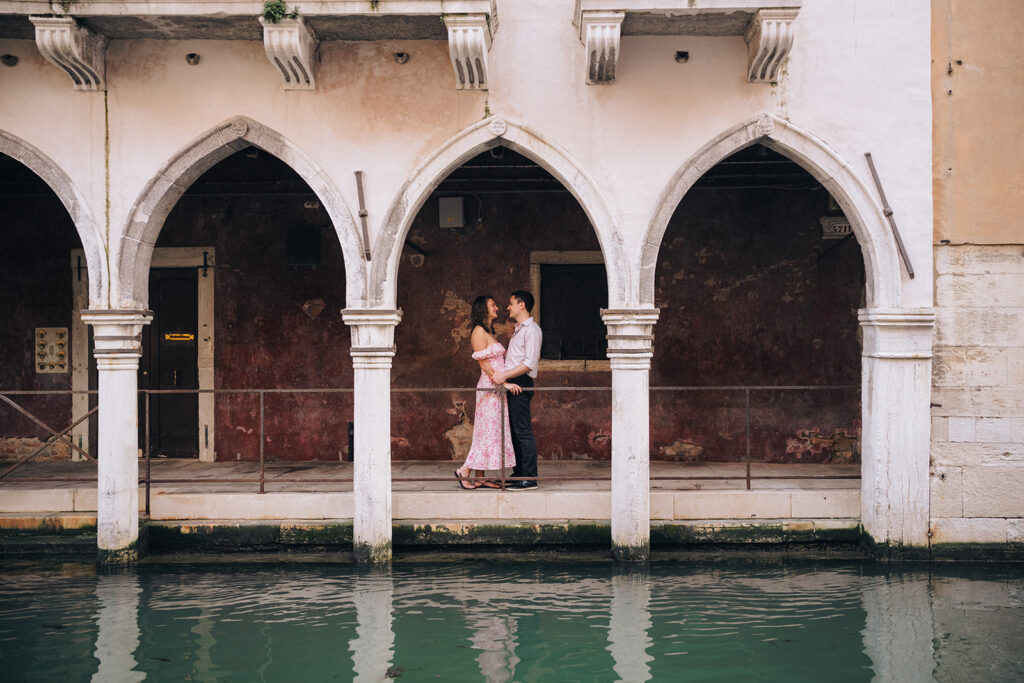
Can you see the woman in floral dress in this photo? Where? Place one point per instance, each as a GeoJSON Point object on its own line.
{"type": "Point", "coordinates": [486, 451]}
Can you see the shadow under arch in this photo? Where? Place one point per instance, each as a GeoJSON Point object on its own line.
{"type": "Point", "coordinates": [382, 288]}
{"type": "Point", "coordinates": [883, 276]}
{"type": "Point", "coordinates": [162, 192]}
{"type": "Point", "coordinates": [73, 200]}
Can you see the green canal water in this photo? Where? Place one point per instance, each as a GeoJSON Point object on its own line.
{"type": "Point", "coordinates": [502, 620]}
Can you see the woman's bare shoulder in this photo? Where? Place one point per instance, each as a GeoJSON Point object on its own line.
{"type": "Point", "coordinates": [480, 338]}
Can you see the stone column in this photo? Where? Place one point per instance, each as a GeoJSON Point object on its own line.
{"type": "Point", "coordinates": [373, 347]}
{"type": "Point", "coordinates": [118, 345]}
{"type": "Point", "coordinates": [895, 409]}
{"type": "Point", "coordinates": [630, 350]}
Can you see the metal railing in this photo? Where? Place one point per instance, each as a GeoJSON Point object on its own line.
{"type": "Point", "coordinates": [148, 480]}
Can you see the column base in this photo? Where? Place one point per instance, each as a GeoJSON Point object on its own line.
{"type": "Point", "coordinates": [632, 553]}
{"type": "Point", "coordinates": [372, 554]}
{"type": "Point", "coordinates": [891, 551]}
{"type": "Point", "coordinates": [119, 557]}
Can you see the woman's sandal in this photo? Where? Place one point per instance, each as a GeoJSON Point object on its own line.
{"type": "Point", "coordinates": [463, 483]}
{"type": "Point", "coordinates": [489, 484]}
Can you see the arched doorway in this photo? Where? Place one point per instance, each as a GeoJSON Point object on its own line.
{"type": "Point", "coordinates": [501, 222]}
{"type": "Point", "coordinates": [896, 338]}
{"type": "Point", "coordinates": [245, 284]}
{"type": "Point", "coordinates": [759, 281]}
{"type": "Point", "coordinates": [50, 250]}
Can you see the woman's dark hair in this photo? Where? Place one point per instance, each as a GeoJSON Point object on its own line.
{"type": "Point", "coordinates": [478, 313]}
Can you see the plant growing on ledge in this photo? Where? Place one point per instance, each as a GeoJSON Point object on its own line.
{"type": "Point", "coordinates": [276, 10]}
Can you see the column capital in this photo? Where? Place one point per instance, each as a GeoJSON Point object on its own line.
{"type": "Point", "coordinates": [630, 336]}
{"type": "Point", "coordinates": [373, 336]}
{"type": "Point", "coordinates": [897, 333]}
{"type": "Point", "coordinates": [117, 335]}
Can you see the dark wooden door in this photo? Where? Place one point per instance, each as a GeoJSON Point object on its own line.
{"type": "Point", "coordinates": [170, 361]}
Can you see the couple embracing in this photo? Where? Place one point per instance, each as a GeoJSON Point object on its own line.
{"type": "Point", "coordinates": [514, 370]}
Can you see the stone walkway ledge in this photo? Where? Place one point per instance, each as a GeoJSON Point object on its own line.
{"type": "Point", "coordinates": [441, 499]}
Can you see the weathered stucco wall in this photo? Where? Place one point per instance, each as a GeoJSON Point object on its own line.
{"type": "Point", "coordinates": [978, 96]}
{"type": "Point", "coordinates": [751, 295]}
{"type": "Point", "coordinates": [977, 473]}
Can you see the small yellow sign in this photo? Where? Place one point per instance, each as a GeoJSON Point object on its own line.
{"type": "Point", "coordinates": [179, 336]}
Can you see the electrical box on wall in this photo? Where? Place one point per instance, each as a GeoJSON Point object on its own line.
{"type": "Point", "coordinates": [450, 209]}
{"type": "Point", "coordinates": [51, 350]}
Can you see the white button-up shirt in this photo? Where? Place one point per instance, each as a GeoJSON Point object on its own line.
{"type": "Point", "coordinates": [524, 347]}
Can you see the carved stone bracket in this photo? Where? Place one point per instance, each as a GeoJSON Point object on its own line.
{"type": "Point", "coordinates": [77, 50]}
{"type": "Point", "coordinates": [469, 39]}
{"type": "Point", "coordinates": [291, 47]}
{"type": "Point", "coordinates": [601, 32]}
{"type": "Point", "coordinates": [769, 39]}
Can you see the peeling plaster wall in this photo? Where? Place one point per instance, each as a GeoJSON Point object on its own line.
{"type": "Point", "coordinates": [37, 237]}
{"type": "Point", "coordinates": [747, 298]}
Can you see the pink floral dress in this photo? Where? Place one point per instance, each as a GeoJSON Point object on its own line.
{"type": "Point", "coordinates": [485, 453]}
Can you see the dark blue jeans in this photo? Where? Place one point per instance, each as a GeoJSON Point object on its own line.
{"type": "Point", "coordinates": [522, 431]}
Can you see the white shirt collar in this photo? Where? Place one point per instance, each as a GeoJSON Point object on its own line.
{"type": "Point", "coordinates": [528, 321]}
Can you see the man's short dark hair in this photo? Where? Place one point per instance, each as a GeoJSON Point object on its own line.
{"type": "Point", "coordinates": [525, 297]}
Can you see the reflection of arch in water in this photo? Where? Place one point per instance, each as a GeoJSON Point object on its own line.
{"type": "Point", "coordinates": [154, 204]}
{"type": "Point", "coordinates": [73, 200]}
{"type": "Point", "coordinates": [485, 135]}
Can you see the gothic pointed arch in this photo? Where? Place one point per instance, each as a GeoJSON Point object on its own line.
{"type": "Point", "coordinates": [162, 192]}
{"type": "Point", "coordinates": [858, 202]}
{"type": "Point", "coordinates": [485, 135]}
{"type": "Point", "coordinates": [74, 201]}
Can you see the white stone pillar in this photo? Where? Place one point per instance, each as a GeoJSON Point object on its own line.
{"type": "Point", "coordinates": [895, 409]}
{"type": "Point", "coordinates": [373, 347]}
{"type": "Point", "coordinates": [630, 350]}
{"type": "Point", "coordinates": [118, 345]}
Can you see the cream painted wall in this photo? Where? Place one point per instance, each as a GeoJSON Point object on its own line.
{"type": "Point", "coordinates": [857, 78]}
{"type": "Point", "coordinates": [979, 105]}
{"type": "Point", "coordinates": [39, 106]}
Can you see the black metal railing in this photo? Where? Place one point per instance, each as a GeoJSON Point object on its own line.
{"type": "Point", "coordinates": [148, 480]}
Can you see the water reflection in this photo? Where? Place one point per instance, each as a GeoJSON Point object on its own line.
{"type": "Point", "coordinates": [898, 629]}
{"type": "Point", "coordinates": [494, 634]}
{"type": "Point", "coordinates": [497, 621]}
{"type": "Point", "coordinates": [117, 623]}
{"type": "Point", "coordinates": [628, 625]}
{"type": "Point", "coordinates": [373, 648]}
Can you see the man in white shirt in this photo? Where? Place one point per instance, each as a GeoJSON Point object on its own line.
{"type": "Point", "coordinates": [522, 359]}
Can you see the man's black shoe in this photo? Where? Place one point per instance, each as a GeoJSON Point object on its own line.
{"type": "Point", "coordinates": [521, 486]}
